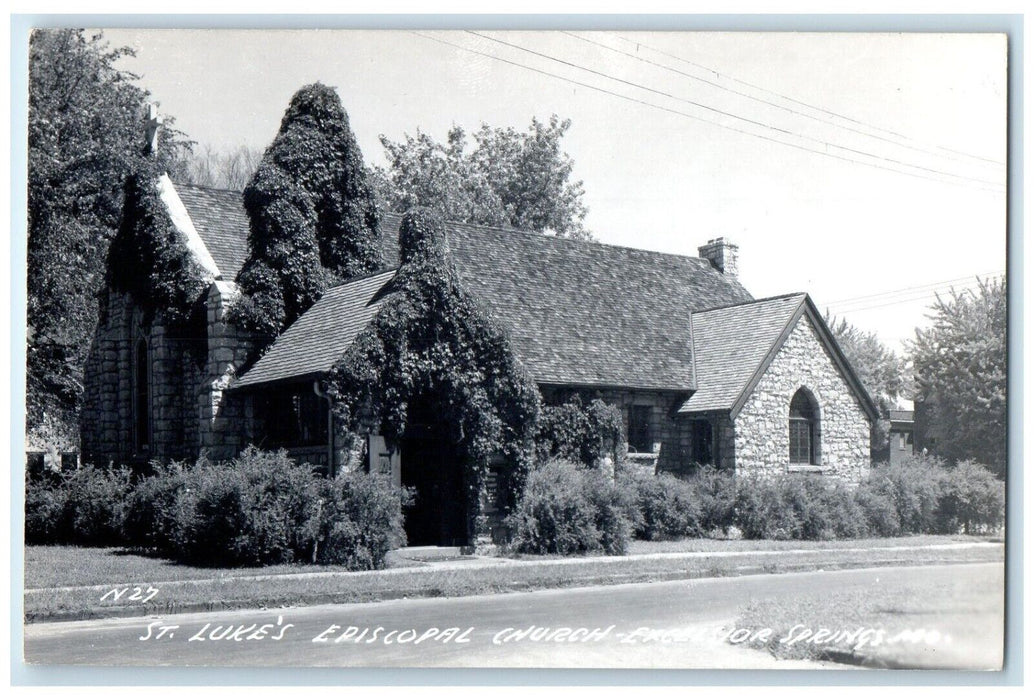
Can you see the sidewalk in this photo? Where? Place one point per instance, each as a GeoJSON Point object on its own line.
{"type": "Point", "coordinates": [438, 573]}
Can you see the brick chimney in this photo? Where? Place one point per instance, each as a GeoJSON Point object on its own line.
{"type": "Point", "coordinates": [722, 255]}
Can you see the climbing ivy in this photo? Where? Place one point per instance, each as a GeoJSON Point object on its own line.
{"type": "Point", "coordinates": [148, 257]}
{"type": "Point", "coordinates": [581, 433]}
{"type": "Point", "coordinates": [431, 344]}
{"type": "Point", "coordinates": [313, 218]}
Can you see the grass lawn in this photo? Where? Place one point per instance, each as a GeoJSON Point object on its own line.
{"type": "Point", "coordinates": [69, 582]}
{"type": "Point", "coordinates": [897, 626]}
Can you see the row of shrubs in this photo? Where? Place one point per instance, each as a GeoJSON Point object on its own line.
{"type": "Point", "coordinates": [567, 508]}
{"type": "Point", "coordinates": [258, 509]}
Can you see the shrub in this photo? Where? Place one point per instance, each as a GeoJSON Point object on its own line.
{"type": "Point", "coordinates": [85, 506]}
{"type": "Point", "coordinates": [793, 507]}
{"type": "Point", "coordinates": [761, 511]}
{"type": "Point", "coordinates": [914, 487]}
{"type": "Point", "coordinates": [566, 510]}
{"type": "Point", "coordinates": [972, 500]}
{"type": "Point", "coordinates": [152, 511]}
{"type": "Point", "coordinates": [257, 509]}
{"type": "Point", "coordinates": [360, 521]}
{"type": "Point", "coordinates": [716, 494]}
{"type": "Point", "coordinates": [668, 507]}
{"type": "Point", "coordinates": [879, 509]}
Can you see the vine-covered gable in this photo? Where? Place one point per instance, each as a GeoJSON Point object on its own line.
{"type": "Point", "coordinates": [431, 343]}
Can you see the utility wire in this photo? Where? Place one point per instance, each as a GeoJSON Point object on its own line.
{"type": "Point", "coordinates": [924, 296]}
{"type": "Point", "coordinates": [805, 104]}
{"type": "Point", "coordinates": [941, 284]}
{"type": "Point", "coordinates": [732, 115]}
{"type": "Point", "coordinates": [686, 114]}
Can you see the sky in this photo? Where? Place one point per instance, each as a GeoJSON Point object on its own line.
{"type": "Point", "coordinates": [865, 169]}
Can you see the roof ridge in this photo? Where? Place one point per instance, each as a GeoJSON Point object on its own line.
{"type": "Point", "coordinates": [181, 183]}
{"type": "Point", "coordinates": [360, 278]}
{"type": "Point", "coordinates": [752, 301]}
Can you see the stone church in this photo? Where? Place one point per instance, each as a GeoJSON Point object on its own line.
{"type": "Point", "coordinates": [702, 372]}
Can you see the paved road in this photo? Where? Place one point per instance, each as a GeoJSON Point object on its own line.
{"type": "Point", "coordinates": [657, 625]}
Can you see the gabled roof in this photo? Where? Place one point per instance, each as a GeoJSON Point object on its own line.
{"type": "Point", "coordinates": [314, 342]}
{"type": "Point", "coordinates": [734, 346]}
{"type": "Point", "coordinates": [577, 313]}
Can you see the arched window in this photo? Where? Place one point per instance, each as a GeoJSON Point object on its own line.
{"type": "Point", "coordinates": [142, 397]}
{"type": "Point", "coordinates": [804, 429]}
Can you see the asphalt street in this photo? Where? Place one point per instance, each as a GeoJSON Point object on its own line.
{"type": "Point", "coordinates": [679, 624]}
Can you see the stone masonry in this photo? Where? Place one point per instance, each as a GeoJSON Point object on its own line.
{"type": "Point", "coordinates": [760, 437]}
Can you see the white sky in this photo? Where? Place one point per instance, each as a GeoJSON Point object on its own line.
{"type": "Point", "coordinates": [654, 179]}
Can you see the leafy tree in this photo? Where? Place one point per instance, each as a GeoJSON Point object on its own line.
{"type": "Point", "coordinates": [960, 369]}
{"type": "Point", "coordinates": [510, 178]}
{"type": "Point", "coordinates": [85, 136]}
{"type": "Point", "coordinates": [882, 371]}
{"type": "Point", "coordinates": [313, 217]}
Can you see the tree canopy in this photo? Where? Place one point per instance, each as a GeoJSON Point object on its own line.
{"type": "Point", "coordinates": [312, 213]}
{"type": "Point", "coordinates": [960, 369]}
{"type": "Point", "coordinates": [510, 178]}
{"type": "Point", "coordinates": [85, 136]}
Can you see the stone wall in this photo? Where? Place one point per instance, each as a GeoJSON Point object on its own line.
{"type": "Point", "coordinates": [761, 438]}
{"type": "Point", "coordinates": [175, 367]}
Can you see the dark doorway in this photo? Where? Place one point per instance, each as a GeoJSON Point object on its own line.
{"type": "Point", "coordinates": [431, 467]}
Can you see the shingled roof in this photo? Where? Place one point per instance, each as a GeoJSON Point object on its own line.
{"type": "Point", "coordinates": [577, 313]}
{"type": "Point", "coordinates": [322, 334]}
{"type": "Point", "coordinates": [735, 344]}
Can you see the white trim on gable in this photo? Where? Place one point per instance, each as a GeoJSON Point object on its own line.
{"type": "Point", "coordinates": [183, 223]}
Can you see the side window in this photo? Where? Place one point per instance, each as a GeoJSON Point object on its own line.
{"type": "Point", "coordinates": [804, 430]}
{"type": "Point", "coordinates": [142, 397]}
{"type": "Point", "coordinates": [640, 439]}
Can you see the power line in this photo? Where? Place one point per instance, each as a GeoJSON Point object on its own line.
{"type": "Point", "coordinates": [732, 115]}
{"type": "Point", "coordinates": [687, 115]}
{"type": "Point", "coordinates": [809, 106]}
{"type": "Point", "coordinates": [940, 284]}
{"type": "Point", "coordinates": [928, 295]}
{"type": "Point", "coordinates": [756, 98]}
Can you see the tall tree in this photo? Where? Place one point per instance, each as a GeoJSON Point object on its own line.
{"type": "Point", "coordinates": [312, 212]}
{"type": "Point", "coordinates": [511, 178]}
{"type": "Point", "coordinates": [85, 136]}
{"type": "Point", "coordinates": [960, 368]}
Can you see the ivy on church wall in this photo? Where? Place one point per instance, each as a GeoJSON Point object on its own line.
{"type": "Point", "coordinates": [312, 214]}
{"type": "Point", "coordinates": [431, 342]}
{"type": "Point", "coordinates": [148, 258]}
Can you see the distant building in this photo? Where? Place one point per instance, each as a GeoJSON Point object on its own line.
{"type": "Point", "coordinates": [902, 436]}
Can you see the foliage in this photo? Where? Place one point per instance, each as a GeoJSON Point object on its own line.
{"type": "Point", "coordinates": [360, 521]}
{"type": "Point", "coordinates": [509, 178]}
{"type": "Point", "coordinates": [312, 213]}
{"type": "Point", "coordinates": [960, 368]}
{"type": "Point", "coordinates": [972, 500]}
{"type": "Point", "coordinates": [575, 432]}
{"type": "Point", "coordinates": [668, 507]}
{"type": "Point", "coordinates": [430, 344]}
{"type": "Point", "coordinates": [716, 495]}
{"type": "Point", "coordinates": [257, 509]}
{"type": "Point", "coordinates": [796, 507]}
{"type": "Point", "coordinates": [85, 506]}
{"type": "Point", "coordinates": [148, 257]}
{"type": "Point", "coordinates": [913, 487]}
{"type": "Point", "coordinates": [231, 170]}
{"type": "Point", "coordinates": [84, 138]}
{"type": "Point", "coordinates": [565, 509]}
{"type": "Point", "coordinates": [152, 510]}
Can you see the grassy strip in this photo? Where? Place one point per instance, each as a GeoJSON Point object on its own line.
{"type": "Point", "coordinates": [274, 591]}
{"type": "Point", "coordinates": [58, 566]}
{"type": "Point", "coordinates": [899, 626]}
